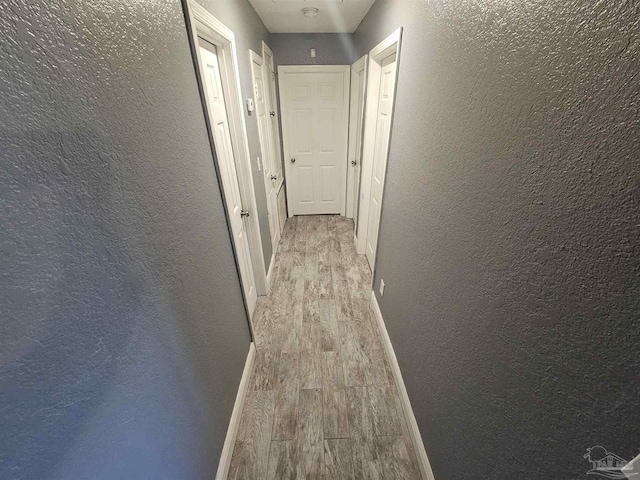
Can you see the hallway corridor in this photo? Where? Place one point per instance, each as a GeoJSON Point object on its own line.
{"type": "Point", "coordinates": [322, 402]}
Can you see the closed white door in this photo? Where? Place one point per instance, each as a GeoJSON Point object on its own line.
{"type": "Point", "coordinates": [380, 151]}
{"type": "Point", "coordinates": [270, 93]}
{"type": "Point", "coordinates": [227, 167]}
{"type": "Point", "coordinates": [268, 68]}
{"type": "Point", "coordinates": [266, 147]}
{"type": "Point", "coordinates": [357, 166]}
{"type": "Point", "coordinates": [315, 128]}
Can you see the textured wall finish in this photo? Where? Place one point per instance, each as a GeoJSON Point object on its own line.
{"type": "Point", "coordinates": [250, 32]}
{"type": "Point", "coordinates": [510, 234]}
{"type": "Point", "coordinates": [123, 333]}
{"type": "Point", "coordinates": [331, 48]}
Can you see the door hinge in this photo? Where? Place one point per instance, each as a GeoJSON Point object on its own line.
{"type": "Point", "coordinates": [244, 213]}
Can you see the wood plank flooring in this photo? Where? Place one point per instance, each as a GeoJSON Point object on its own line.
{"type": "Point", "coordinates": [323, 404]}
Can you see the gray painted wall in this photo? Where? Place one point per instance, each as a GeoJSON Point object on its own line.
{"type": "Point", "coordinates": [331, 48]}
{"type": "Point", "coordinates": [509, 241]}
{"type": "Point", "coordinates": [241, 18]}
{"type": "Point", "coordinates": [123, 331]}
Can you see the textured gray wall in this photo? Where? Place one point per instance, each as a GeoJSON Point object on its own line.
{"type": "Point", "coordinates": [331, 48]}
{"type": "Point", "coordinates": [249, 31]}
{"type": "Point", "coordinates": [509, 240]}
{"type": "Point", "coordinates": [123, 333]}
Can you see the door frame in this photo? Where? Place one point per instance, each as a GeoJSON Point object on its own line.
{"type": "Point", "coordinates": [274, 100]}
{"type": "Point", "coordinates": [360, 68]}
{"type": "Point", "coordinates": [282, 71]}
{"type": "Point", "coordinates": [387, 47]}
{"type": "Point", "coordinates": [257, 59]}
{"type": "Point", "coordinates": [202, 23]}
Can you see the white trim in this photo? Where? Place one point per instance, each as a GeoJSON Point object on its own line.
{"type": "Point", "coordinates": [391, 42]}
{"type": "Point", "coordinates": [280, 182]}
{"type": "Point", "coordinates": [266, 47]}
{"type": "Point", "coordinates": [265, 153]}
{"type": "Point", "coordinates": [282, 71]}
{"type": "Point", "coordinates": [264, 147]}
{"type": "Point", "coordinates": [271, 267]}
{"type": "Point", "coordinates": [282, 191]}
{"type": "Point", "coordinates": [206, 25]}
{"type": "Point", "coordinates": [254, 57]}
{"type": "Point", "coordinates": [414, 432]}
{"type": "Point", "coordinates": [376, 55]}
{"type": "Point", "coordinates": [273, 97]}
{"type": "Point", "coordinates": [234, 423]}
{"type": "Point", "coordinates": [359, 68]}
{"type": "Point", "coordinates": [360, 64]}
{"type": "Point", "coordinates": [273, 93]}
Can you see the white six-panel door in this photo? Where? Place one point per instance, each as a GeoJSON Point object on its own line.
{"type": "Point", "coordinates": [266, 146]}
{"type": "Point", "coordinates": [226, 164]}
{"type": "Point", "coordinates": [315, 104]}
{"type": "Point", "coordinates": [269, 74]}
{"type": "Point", "coordinates": [380, 150]}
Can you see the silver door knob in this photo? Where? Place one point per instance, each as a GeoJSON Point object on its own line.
{"type": "Point", "coordinates": [293, 160]}
{"type": "Point", "coordinates": [353, 162]}
{"type": "Point", "coordinates": [273, 114]}
{"type": "Point", "coordinates": [274, 177]}
{"type": "Point", "coordinates": [244, 213]}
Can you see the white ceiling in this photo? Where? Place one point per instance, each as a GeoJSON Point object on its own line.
{"type": "Point", "coordinates": [334, 16]}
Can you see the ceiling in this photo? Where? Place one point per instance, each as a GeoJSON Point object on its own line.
{"type": "Point", "coordinates": [334, 16]}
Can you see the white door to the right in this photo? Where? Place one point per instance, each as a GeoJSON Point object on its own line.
{"type": "Point", "coordinates": [380, 150]}
{"type": "Point", "coordinates": [315, 120]}
{"type": "Point", "coordinates": [358, 158]}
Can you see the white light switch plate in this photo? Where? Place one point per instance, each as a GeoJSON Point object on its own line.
{"type": "Point", "coordinates": [381, 287]}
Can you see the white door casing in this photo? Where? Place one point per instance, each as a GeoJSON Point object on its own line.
{"type": "Point", "coordinates": [380, 150]}
{"type": "Point", "coordinates": [204, 25]}
{"type": "Point", "coordinates": [282, 207]}
{"type": "Point", "coordinates": [356, 120]}
{"type": "Point", "coordinates": [269, 75]}
{"type": "Point", "coordinates": [357, 169]}
{"type": "Point", "coordinates": [375, 143]}
{"type": "Point", "coordinates": [268, 68]}
{"type": "Point", "coordinates": [315, 104]}
{"type": "Point", "coordinates": [266, 146]}
{"type": "Point", "coordinates": [217, 111]}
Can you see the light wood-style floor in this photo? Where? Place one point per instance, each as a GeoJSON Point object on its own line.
{"type": "Point", "coordinates": [322, 402]}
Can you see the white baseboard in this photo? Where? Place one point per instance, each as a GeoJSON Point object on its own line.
{"type": "Point", "coordinates": [234, 423]}
{"type": "Point", "coordinates": [414, 432]}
